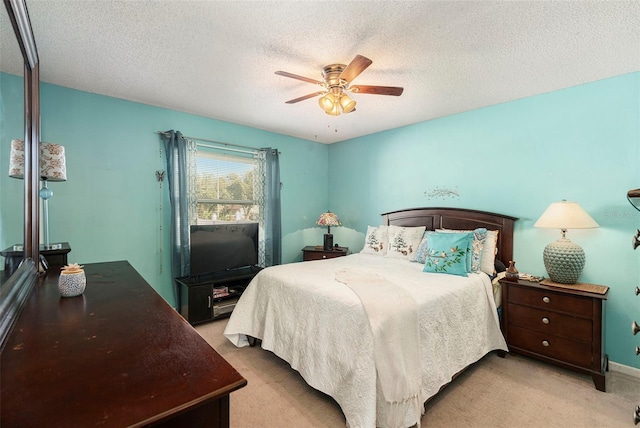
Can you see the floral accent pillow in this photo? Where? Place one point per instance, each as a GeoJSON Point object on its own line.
{"type": "Point", "coordinates": [376, 240]}
{"type": "Point", "coordinates": [404, 241]}
{"type": "Point", "coordinates": [479, 238]}
{"type": "Point", "coordinates": [421, 253]}
{"type": "Point", "coordinates": [447, 253]}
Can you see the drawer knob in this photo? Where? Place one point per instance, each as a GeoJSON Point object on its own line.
{"type": "Point", "coordinates": [637, 350]}
{"type": "Point", "coordinates": [324, 257]}
{"type": "Point", "coordinates": [546, 299]}
{"type": "Point", "coordinates": [545, 343]}
{"type": "Point", "coordinates": [545, 320]}
{"type": "Point", "coordinates": [637, 291]}
{"type": "Point", "coordinates": [636, 415]}
{"type": "Point", "coordinates": [635, 327]}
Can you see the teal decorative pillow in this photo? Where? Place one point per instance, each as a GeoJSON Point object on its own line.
{"type": "Point", "coordinates": [479, 238]}
{"type": "Point", "coordinates": [448, 253]}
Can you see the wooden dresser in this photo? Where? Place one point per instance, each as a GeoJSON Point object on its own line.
{"type": "Point", "coordinates": [559, 325]}
{"type": "Point", "coordinates": [116, 356]}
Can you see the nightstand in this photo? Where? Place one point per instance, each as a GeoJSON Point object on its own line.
{"type": "Point", "coordinates": [56, 256]}
{"type": "Point", "coordinates": [557, 323]}
{"type": "Point", "coordinates": [319, 253]}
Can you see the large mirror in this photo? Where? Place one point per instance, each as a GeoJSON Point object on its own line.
{"type": "Point", "coordinates": [16, 288]}
{"type": "Point", "coordinates": [12, 214]}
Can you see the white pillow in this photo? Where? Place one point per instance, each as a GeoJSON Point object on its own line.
{"type": "Point", "coordinates": [404, 241]}
{"type": "Point", "coordinates": [489, 252]}
{"type": "Point", "coordinates": [376, 241]}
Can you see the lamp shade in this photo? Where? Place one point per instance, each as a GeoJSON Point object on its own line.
{"type": "Point", "coordinates": [565, 215]}
{"type": "Point", "coordinates": [328, 219]}
{"type": "Point", "coordinates": [327, 102]}
{"type": "Point", "coordinates": [335, 110]}
{"type": "Point", "coordinates": [347, 104]}
{"type": "Point", "coordinates": [52, 161]}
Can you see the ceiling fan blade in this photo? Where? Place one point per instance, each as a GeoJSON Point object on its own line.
{"type": "Point", "coordinates": [355, 67]}
{"type": "Point", "coordinates": [295, 76]}
{"type": "Point", "coordinates": [306, 97]}
{"type": "Point", "coordinates": [377, 90]}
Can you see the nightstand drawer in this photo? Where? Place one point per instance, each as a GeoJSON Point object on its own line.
{"type": "Point", "coordinates": [569, 351]}
{"type": "Point", "coordinates": [318, 253]}
{"type": "Point", "coordinates": [551, 323]}
{"type": "Point", "coordinates": [321, 255]}
{"type": "Point", "coordinates": [551, 300]}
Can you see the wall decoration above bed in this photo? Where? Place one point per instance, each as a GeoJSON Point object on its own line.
{"type": "Point", "coordinates": [442, 193]}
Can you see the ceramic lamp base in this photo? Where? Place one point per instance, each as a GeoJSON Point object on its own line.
{"type": "Point", "coordinates": [328, 241]}
{"type": "Point", "coordinates": [563, 261]}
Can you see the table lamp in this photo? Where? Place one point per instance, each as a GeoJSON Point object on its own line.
{"type": "Point", "coordinates": [52, 168]}
{"type": "Point", "coordinates": [564, 259]}
{"type": "Point", "coordinates": [328, 219]}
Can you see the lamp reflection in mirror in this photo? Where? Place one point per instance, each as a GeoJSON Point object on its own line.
{"type": "Point", "coordinates": [52, 168]}
{"type": "Point", "coordinates": [563, 259]}
{"type": "Point", "coordinates": [328, 219]}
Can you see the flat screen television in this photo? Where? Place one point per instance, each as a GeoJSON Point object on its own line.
{"type": "Point", "coordinates": [221, 247]}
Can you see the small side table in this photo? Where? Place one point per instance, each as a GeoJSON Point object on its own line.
{"type": "Point", "coordinates": [56, 257]}
{"type": "Point", "coordinates": [318, 253]}
{"type": "Point", "coordinates": [557, 323]}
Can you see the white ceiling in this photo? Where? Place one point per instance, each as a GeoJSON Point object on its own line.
{"type": "Point", "coordinates": [217, 58]}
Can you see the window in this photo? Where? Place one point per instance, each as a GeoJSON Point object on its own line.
{"type": "Point", "coordinates": [226, 185]}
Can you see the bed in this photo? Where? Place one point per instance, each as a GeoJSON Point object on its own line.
{"type": "Point", "coordinates": [317, 316]}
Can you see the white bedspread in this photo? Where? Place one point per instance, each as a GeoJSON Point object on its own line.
{"type": "Point", "coordinates": [319, 326]}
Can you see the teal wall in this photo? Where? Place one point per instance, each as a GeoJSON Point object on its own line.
{"type": "Point", "coordinates": [580, 143]}
{"type": "Point", "coordinates": [109, 207]}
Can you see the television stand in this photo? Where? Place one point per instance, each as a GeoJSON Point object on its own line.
{"type": "Point", "coordinates": [213, 295]}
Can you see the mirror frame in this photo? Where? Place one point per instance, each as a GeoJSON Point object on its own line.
{"type": "Point", "coordinates": [17, 288]}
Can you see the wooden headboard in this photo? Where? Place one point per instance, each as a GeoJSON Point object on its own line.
{"type": "Point", "coordinates": [458, 218]}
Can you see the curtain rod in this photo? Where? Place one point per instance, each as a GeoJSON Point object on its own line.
{"type": "Point", "coordinates": [247, 148]}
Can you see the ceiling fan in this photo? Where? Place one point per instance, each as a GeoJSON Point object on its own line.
{"type": "Point", "coordinates": [336, 82]}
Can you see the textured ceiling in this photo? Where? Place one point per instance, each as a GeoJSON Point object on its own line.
{"type": "Point", "coordinates": [217, 58]}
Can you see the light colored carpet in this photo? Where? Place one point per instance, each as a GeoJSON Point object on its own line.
{"type": "Point", "coordinates": [495, 392]}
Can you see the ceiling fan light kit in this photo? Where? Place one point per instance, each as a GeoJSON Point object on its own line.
{"type": "Point", "coordinates": [336, 79]}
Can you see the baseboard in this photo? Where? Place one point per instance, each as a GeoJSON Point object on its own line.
{"type": "Point", "coordinates": [621, 368]}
